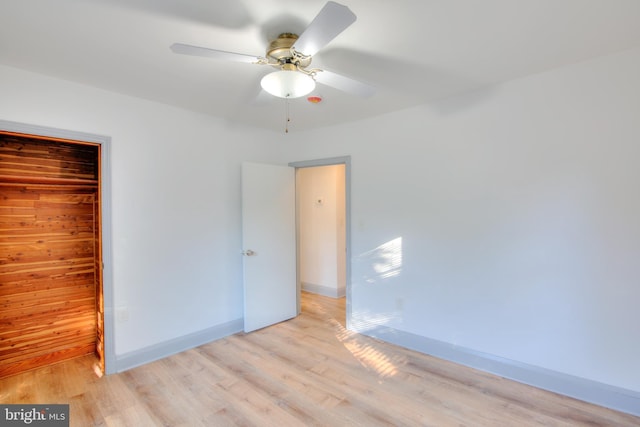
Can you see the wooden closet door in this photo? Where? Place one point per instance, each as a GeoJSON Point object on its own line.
{"type": "Point", "coordinates": [48, 261]}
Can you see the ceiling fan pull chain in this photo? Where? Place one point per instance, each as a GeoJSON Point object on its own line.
{"type": "Point", "coordinates": [287, 118]}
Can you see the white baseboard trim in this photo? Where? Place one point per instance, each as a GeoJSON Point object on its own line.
{"type": "Point", "coordinates": [161, 350]}
{"type": "Point", "coordinates": [324, 290]}
{"type": "Point", "coordinates": [613, 397]}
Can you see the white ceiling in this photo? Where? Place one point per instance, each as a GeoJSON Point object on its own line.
{"type": "Point", "coordinates": [413, 51]}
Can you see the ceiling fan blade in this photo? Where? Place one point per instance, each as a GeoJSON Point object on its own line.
{"type": "Point", "coordinates": [333, 19]}
{"type": "Point", "coordinates": [186, 49]}
{"type": "Point", "coordinates": [345, 84]}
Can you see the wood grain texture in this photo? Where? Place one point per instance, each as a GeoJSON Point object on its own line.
{"type": "Point", "coordinates": [26, 157]}
{"type": "Point", "coordinates": [309, 371]}
{"type": "Point", "coordinates": [49, 235]}
{"type": "Point", "coordinates": [47, 275]}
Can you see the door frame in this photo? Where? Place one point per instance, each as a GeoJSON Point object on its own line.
{"type": "Point", "coordinates": [105, 207]}
{"type": "Point", "coordinates": [331, 161]}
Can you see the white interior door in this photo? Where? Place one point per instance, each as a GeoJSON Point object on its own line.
{"type": "Point", "coordinates": [269, 244]}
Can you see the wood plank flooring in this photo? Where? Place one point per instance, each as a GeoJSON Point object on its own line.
{"type": "Point", "coordinates": [309, 371]}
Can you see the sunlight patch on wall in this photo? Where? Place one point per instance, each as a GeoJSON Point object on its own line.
{"type": "Point", "coordinates": [385, 260]}
{"type": "Point", "coordinates": [389, 259]}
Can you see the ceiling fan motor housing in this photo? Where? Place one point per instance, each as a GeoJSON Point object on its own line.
{"type": "Point", "coordinates": [280, 50]}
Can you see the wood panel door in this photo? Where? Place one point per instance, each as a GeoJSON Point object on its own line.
{"type": "Point", "coordinates": [50, 268]}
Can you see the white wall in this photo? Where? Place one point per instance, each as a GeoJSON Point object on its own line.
{"type": "Point", "coordinates": [505, 221]}
{"type": "Point", "coordinates": [321, 225]}
{"type": "Point", "coordinates": [177, 267]}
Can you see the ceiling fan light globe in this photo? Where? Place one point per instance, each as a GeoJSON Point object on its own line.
{"type": "Point", "coordinates": [288, 84]}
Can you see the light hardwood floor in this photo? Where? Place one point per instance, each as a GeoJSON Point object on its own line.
{"type": "Point", "coordinates": [307, 371]}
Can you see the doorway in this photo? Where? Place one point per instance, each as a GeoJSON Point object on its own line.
{"type": "Point", "coordinates": [53, 247]}
{"type": "Point", "coordinates": [323, 228]}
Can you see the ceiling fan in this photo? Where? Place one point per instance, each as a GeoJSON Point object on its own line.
{"type": "Point", "coordinates": [291, 55]}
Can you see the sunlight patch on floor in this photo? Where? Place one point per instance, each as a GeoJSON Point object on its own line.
{"type": "Point", "coordinates": [366, 354]}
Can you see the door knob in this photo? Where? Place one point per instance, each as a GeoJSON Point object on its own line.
{"type": "Point", "coordinates": [248, 252]}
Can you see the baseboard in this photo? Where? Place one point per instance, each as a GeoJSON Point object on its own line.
{"type": "Point", "coordinates": [590, 391]}
{"type": "Point", "coordinates": [324, 290]}
{"type": "Point", "coordinates": [158, 351]}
